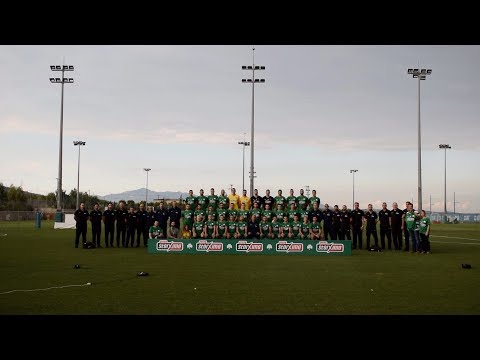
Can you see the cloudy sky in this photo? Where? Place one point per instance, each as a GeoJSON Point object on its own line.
{"type": "Point", "coordinates": [181, 110]}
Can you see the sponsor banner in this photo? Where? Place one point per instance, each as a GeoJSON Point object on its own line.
{"type": "Point", "coordinates": [250, 246]}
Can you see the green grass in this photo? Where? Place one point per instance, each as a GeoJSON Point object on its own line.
{"type": "Point", "coordinates": [364, 283]}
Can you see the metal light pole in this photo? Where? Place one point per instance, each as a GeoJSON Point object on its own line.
{"type": "Point", "coordinates": [62, 81]}
{"type": "Point", "coordinates": [146, 190]}
{"type": "Point", "coordinates": [253, 81]}
{"type": "Point", "coordinates": [421, 74]}
{"type": "Point", "coordinates": [243, 143]}
{"type": "Point", "coordinates": [79, 144]}
{"type": "Point", "coordinates": [445, 147]}
{"type": "Point", "coordinates": [454, 202]}
{"type": "Point", "coordinates": [353, 197]}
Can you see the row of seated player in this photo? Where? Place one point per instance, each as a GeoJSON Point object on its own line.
{"type": "Point", "coordinates": [232, 229]}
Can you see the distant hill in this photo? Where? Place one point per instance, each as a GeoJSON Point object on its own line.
{"type": "Point", "coordinates": [139, 195]}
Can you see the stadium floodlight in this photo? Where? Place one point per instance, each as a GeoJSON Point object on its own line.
{"type": "Point", "coordinates": [445, 146]}
{"type": "Point", "coordinates": [421, 74]}
{"type": "Point", "coordinates": [253, 81]}
{"type": "Point", "coordinates": [146, 189]}
{"type": "Point", "coordinates": [243, 143]}
{"type": "Point", "coordinates": [353, 195]}
{"type": "Point", "coordinates": [62, 81]}
{"type": "Point", "coordinates": [79, 144]}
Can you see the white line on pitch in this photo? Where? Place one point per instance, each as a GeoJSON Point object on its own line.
{"type": "Point", "coordinates": [452, 242]}
{"type": "Point", "coordinates": [454, 237]}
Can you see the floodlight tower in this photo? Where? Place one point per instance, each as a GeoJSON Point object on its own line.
{"type": "Point", "coordinates": [420, 74]}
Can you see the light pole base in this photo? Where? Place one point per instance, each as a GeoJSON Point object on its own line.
{"type": "Point", "coordinates": [59, 216]}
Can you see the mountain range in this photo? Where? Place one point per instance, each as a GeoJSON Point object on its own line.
{"type": "Point", "coordinates": [139, 195]}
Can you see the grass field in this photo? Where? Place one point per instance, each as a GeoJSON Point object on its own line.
{"type": "Point", "coordinates": [364, 283]}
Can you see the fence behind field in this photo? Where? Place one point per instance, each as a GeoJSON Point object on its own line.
{"type": "Point", "coordinates": [28, 215]}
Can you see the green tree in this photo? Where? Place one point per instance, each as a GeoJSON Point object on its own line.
{"type": "Point", "coordinates": [3, 196]}
{"type": "Point", "coordinates": [51, 199]}
{"type": "Point", "coordinates": [16, 198]}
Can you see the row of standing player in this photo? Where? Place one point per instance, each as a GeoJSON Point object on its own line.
{"type": "Point", "coordinates": [337, 224]}
{"type": "Point", "coordinates": [127, 223]}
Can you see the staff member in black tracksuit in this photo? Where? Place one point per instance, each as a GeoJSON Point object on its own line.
{"type": "Point", "coordinates": [81, 217]}
{"type": "Point", "coordinates": [384, 216]}
{"type": "Point", "coordinates": [372, 219]}
{"type": "Point", "coordinates": [357, 226]}
{"type": "Point", "coordinates": [327, 217]}
{"type": "Point", "coordinates": [109, 221]}
{"type": "Point", "coordinates": [396, 216]}
{"type": "Point", "coordinates": [174, 214]}
{"type": "Point", "coordinates": [142, 224]}
{"type": "Point", "coordinates": [161, 215]}
{"type": "Point", "coordinates": [345, 224]}
{"type": "Point", "coordinates": [150, 223]}
{"type": "Point", "coordinates": [121, 218]}
{"type": "Point", "coordinates": [315, 212]}
{"type": "Point", "coordinates": [253, 228]}
{"type": "Point", "coordinates": [96, 219]}
{"type": "Point", "coordinates": [256, 199]}
{"type": "Point", "coordinates": [336, 217]}
{"type": "Point", "coordinates": [267, 199]}
{"type": "Point", "coordinates": [131, 226]}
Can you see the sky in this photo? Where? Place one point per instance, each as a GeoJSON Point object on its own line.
{"type": "Point", "coordinates": [181, 111]}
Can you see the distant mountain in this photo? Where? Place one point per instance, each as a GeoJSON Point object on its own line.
{"type": "Point", "coordinates": [139, 195]}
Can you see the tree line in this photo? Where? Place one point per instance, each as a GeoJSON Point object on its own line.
{"type": "Point", "coordinates": [14, 198]}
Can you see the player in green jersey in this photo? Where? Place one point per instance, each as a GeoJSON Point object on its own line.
{"type": "Point", "coordinates": [275, 226]}
{"type": "Point", "coordinates": [313, 199]}
{"type": "Point", "coordinates": [292, 213]}
{"type": "Point", "coordinates": [188, 216]}
{"type": "Point", "coordinates": [223, 199]}
{"type": "Point", "coordinates": [411, 224]}
{"type": "Point", "coordinates": [231, 227]}
{"type": "Point", "coordinates": [302, 202]}
{"type": "Point", "coordinates": [303, 213]}
{"type": "Point", "coordinates": [221, 228]}
{"type": "Point", "coordinates": [257, 212]}
{"type": "Point", "coordinates": [156, 232]}
{"type": "Point", "coordinates": [213, 199]}
{"type": "Point", "coordinates": [304, 231]}
{"type": "Point", "coordinates": [200, 212]}
{"type": "Point", "coordinates": [296, 227]}
{"type": "Point", "coordinates": [241, 228]}
{"type": "Point", "coordinates": [209, 228]}
{"type": "Point", "coordinates": [232, 212]}
{"type": "Point", "coordinates": [315, 229]}
{"type": "Point", "coordinates": [222, 211]}
{"type": "Point", "coordinates": [191, 199]}
{"type": "Point", "coordinates": [212, 212]}
{"type": "Point", "coordinates": [291, 200]}
{"type": "Point", "coordinates": [242, 212]}
{"type": "Point", "coordinates": [424, 233]}
{"type": "Point", "coordinates": [198, 227]}
{"type": "Point", "coordinates": [280, 200]}
{"type": "Point", "coordinates": [202, 200]}
{"type": "Point", "coordinates": [265, 228]}
{"type": "Point", "coordinates": [268, 213]}
{"type": "Point", "coordinates": [280, 213]}
{"type": "Point", "coordinates": [285, 229]}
